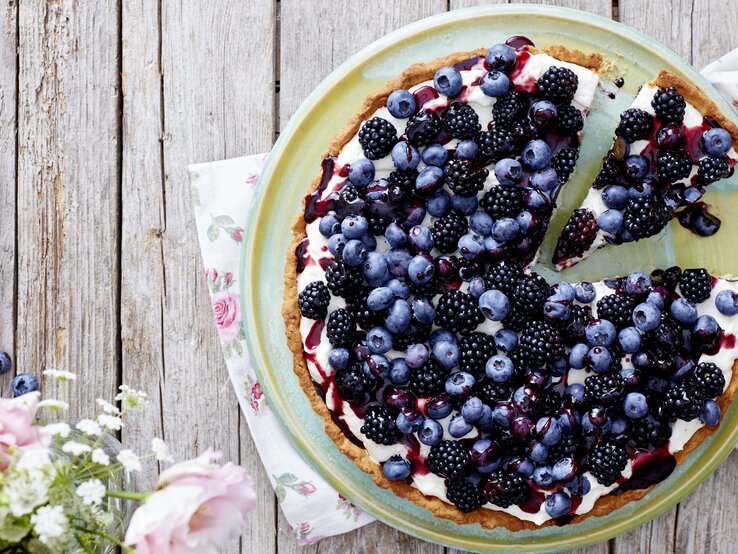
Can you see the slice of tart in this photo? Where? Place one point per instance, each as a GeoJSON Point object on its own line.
{"type": "Point", "coordinates": [671, 144]}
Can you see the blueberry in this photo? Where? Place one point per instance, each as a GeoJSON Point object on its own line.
{"type": "Point", "coordinates": [558, 367]}
{"type": "Point", "coordinates": [557, 504]}
{"type": "Point", "coordinates": [338, 358]}
{"type": "Point", "coordinates": [417, 355]}
{"type": "Point", "coordinates": [579, 486]}
{"type": "Point", "coordinates": [523, 466]}
{"type": "Point", "coordinates": [376, 269]}
{"type": "Point", "coordinates": [508, 171]}
{"type": "Point", "coordinates": [716, 141]}
{"type": "Point", "coordinates": [23, 383]}
{"type": "Point", "coordinates": [557, 308]}
{"type": "Point", "coordinates": [629, 340]}
{"type": "Point", "coordinates": [705, 224]}
{"type": "Point", "coordinates": [684, 311]}
{"type": "Point", "coordinates": [485, 423]}
{"type": "Point", "coordinates": [486, 456]}
{"type": "Point", "coordinates": [476, 287]}
{"type": "Point", "coordinates": [543, 114]}
{"type": "Point", "coordinates": [637, 284]}
{"type": "Point", "coordinates": [405, 155]}
{"type": "Point", "coordinates": [423, 310]}
{"type": "Point", "coordinates": [5, 363]}
{"type": "Point", "coordinates": [501, 57]}
{"type": "Point", "coordinates": [644, 190]}
{"type": "Point", "coordinates": [430, 432]}
{"type": "Point", "coordinates": [471, 246]}
{"type": "Point", "coordinates": [600, 359]}
{"type": "Point", "coordinates": [435, 155]}
{"type": "Point", "coordinates": [710, 414]}
{"type": "Point", "coordinates": [396, 468]}
{"type": "Point", "coordinates": [536, 200]}
{"type": "Point", "coordinates": [537, 451]}
{"type": "Point", "coordinates": [536, 154]}
{"type": "Point", "coordinates": [369, 241]}
{"type": "Point", "coordinates": [464, 205]}
{"type": "Point", "coordinates": [596, 422]}
{"type": "Point", "coordinates": [439, 203]}
{"type": "Point", "coordinates": [459, 383]}
{"type": "Point", "coordinates": [482, 223]}
{"type": "Point", "coordinates": [329, 225]}
{"type": "Point", "coordinates": [584, 292]}
{"type": "Point", "coordinates": [354, 253]}
{"type": "Point", "coordinates": [400, 289]}
{"type": "Point", "coordinates": [395, 235]}
{"type": "Point", "coordinates": [399, 316]}
{"type": "Point", "coordinates": [429, 180]}
{"type": "Point", "coordinates": [495, 84]}
{"type": "Point", "coordinates": [398, 260]}
{"type": "Point", "coordinates": [378, 340]}
{"type": "Point", "coordinates": [578, 355]}
{"type": "Point", "coordinates": [409, 420]}
{"type": "Point", "coordinates": [377, 367]}
{"type": "Point", "coordinates": [706, 330]}
{"type": "Point", "coordinates": [495, 305]}
{"type": "Point", "coordinates": [600, 333]}
{"type": "Point", "coordinates": [505, 229]}
{"type": "Point", "coordinates": [361, 172]}
{"type": "Point", "coordinates": [564, 470]}
{"type": "Point", "coordinates": [421, 269]}
{"type": "Point", "coordinates": [447, 81]}
{"type": "Point", "coordinates": [446, 354]}
{"type": "Point", "coordinates": [693, 194]}
{"type": "Point", "coordinates": [353, 226]}
{"type": "Point", "coordinates": [615, 197]}
{"type": "Point", "coordinates": [566, 290]}
{"type": "Point", "coordinates": [610, 221]}
{"type": "Point", "coordinates": [439, 406]}
{"type": "Point", "coordinates": [636, 167]}
{"type": "Point", "coordinates": [503, 414]}
{"type": "Point", "coordinates": [471, 409]}
{"type": "Point", "coordinates": [527, 222]}
{"type": "Point", "coordinates": [401, 104]}
{"type": "Point", "coordinates": [399, 372]}
{"type": "Point", "coordinates": [466, 150]}
{"type": "Point", "coordinates": [506, 340]}
{"type": "Point", "coordinates": [420, 238]}
{"type": "Point", "coordinates": [548, 431]}
{"type": "Point", "coordinates": [635, 405]}
{"type": "Point", "coordinates": [646, 317]}
{"type": "Point", "coordinates": [542, 476]}
{"type": "Point", "coordinates": [441, 334]}
{"type": "Point", "coordinates": [671, 137]}
{"type": "Point", "coordinates": [544, 179]}
{"type": "Point", "coordinates": [459, 427]}
{"type": "Point", "coordinates": [655, 298]}
{"type": "Point", "coordinates": [619, 428]}
{"type": "Point", "coordinates": [726, 302]}
{"type": "Point", "coordinates": [492, 248]}
{"type": "Point", "coordinates": [575, 394]}
{"type": "Point", "coordinates": [499, 368]}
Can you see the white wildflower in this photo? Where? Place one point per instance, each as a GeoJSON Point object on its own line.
{"type": "Point", "coordinates": [110, 422]}
{"type": "Point", "coordinates": [161, 450]}
{"type": "Point", "coordinates": [54, 405]}
{"type": "Point", "coordinates": [49, 523]}
{"type": "Point", "coordinates": [91, 492]}
{"type": "Point", "coordinates": [75, 448]}
{"type": "Point", "coordinates": [62, 429]}
{"type": "Point", "coordinates": [107, 407]}
{"type": "Point", "coordinates": [89, 427]}
{"type": "Point", "coordinates": [60, 374]}
{"type": "Point", "coordinates": [36, 458]}
{"type": "Point", "coordinates": [100, 457]}
{"type": "Point", "coordinates": [25, 490]}
{"type": "Point", "coordinates": [130, 398]}
{"type": "Point", "coordinates": [129, 460]}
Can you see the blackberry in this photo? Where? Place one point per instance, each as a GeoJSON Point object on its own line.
{"type": "Point", "coordinates": [461, 121]}
{"type": "Point", "coordinates": [712, 169]}
{"type": "Point", "coordinates": [644, 217]}
{"type": "Point", "coordinates": [604, 388]}
{"type": "Point", "coordinates": [577, 235]}
{"type": "Point", "coordinates": [503, 276]}
{"type": "Point", "coordinates": [428, 379]}
{"type": "Point", "coordinates": [353, 384]}
{"type": "Point", "coordinates": [501, 201]}
{"type": "Point", "coordinates": [609, 172]}
{"type": "Point", "coordinates": [349, 201]}
{"type": "Point", "coordinates": [404, 179]}
{"type": "Point", "coordinates": [552, 403]}
{"type": "Point", "coordinates": [570, 120]}
{"type": "Point", "coordinates": [669, 105]}
{"type": "Point", "coordinates": [673, 165]}
{"type": "Point", "coordinates": [475, 348]}
{"type": "Point", "coordinates": [509, 108]}
{"type": "Point", "coordinates": [363, 316]}
{"type": "Point", "coordinates": [708, 379]}
{"type": "Point", "coordinates": [665, 340]}
{"type": "Point", "coordinates": [379, 425]}
{"type": "Point", "coordinates": [669, 278]}
{"type": "Point", "coordinates": [541, 343]}
{"type": "Point", "coordinates": [492, 393]}
{"type": "Point", "coordinates": [458, 312]}
{"type": "Point", "coordinates": [504, 488]}
{"type": "Point", "coordinates": [341, 328]}
{"type": "Point", "coordinates": [683, 402]}
{"type": "Point", "coordinates": [517, 356]}
{"type": "Point", "coordinates": [517, 319]}
{"type": "Point", "coordinates": [564, 162]}
{"type": "Point", "coordinates": [447, 231]}
{"type": "Point", "coordinates": [635, 124]}
{"type": "Point", "coordinates": [617, 309]}
{"type": "Point", "coordinates": [574, 331]}
{"type": "Point", "coordinates": [522, 132]}
{"type": "Point", "coordinates": [422, 128]}
{"type": "Point", "coordinates": [558, 85]}
{"type": "Point", "coordinates": [343, 280]}
{"type": "Point", "coordinates": [378, 223]}
{"type": "Point", "coordinates": [415, 334]}
{"type": "Point", "coordinates": [425, 289]}
{"type": "Point", "coordinates": [463, 494]}
{"type": "Point", "coordinates": [531, 292]}
{"type": "Point", "coordinates": [448, 459]}
{"type": "Point", "coordinates": [377, 137]}
{"type": "Point", "coordinates": [695, 284]}
{"type": "Point", "coordinates": [649, 431]}
{"type": "Point", "coordinates": [313, 300]}
{"type": "Point", "coordinates": [464, 177]}
{"type": "Point", "coordinates": [567, 447]}
{"type": "Point", "coordinates": [607, 462]}
{"type": "Point", "coordinates": [495, 144]}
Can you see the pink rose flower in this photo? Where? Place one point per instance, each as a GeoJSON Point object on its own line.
{"type": "Point", "coordinates": [256, 391]}
{"type": "Point", "coordinates": [228, 278]}
{"type": "Point", "coordinates": [197, 509]}
{"type": "Point", "coordinates": [211, 274]}
{"type": "Point", "coordinates": [237, 234]}
{"type": "Point", "coordinates": [227, 309]}
{"type": "Point", "coordinates": [306, 489]}
{"type": "Point", "coordinates": [17, 429]}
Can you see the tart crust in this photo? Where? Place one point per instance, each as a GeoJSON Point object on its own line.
{"type": "Point", "coordinates": [487, 518]}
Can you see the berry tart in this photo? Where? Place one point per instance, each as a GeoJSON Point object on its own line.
{"type": "Point", "coordinates": [440, 363]}
{"type": "Point", "coordinates": [671, 143]}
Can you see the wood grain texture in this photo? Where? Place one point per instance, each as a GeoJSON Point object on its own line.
{"type": "Point", "coordinates": [67, 221]}
{"type": "Point", "coordinates": [713, 30]}
{"type": "Point", "coordinates": [599, 7]}
{"type": "Point", "coordinates": [668, 22]}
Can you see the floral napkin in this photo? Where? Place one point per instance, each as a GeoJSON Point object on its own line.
{"type": "Point", "coordinates": [221, 193]}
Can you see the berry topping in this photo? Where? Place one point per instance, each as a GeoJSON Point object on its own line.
{"type": "Point", "coordinates": [503, 276]}
{"type": "Point", "coordinates": [447, 231]}
{"type": "Point", "coordinates": [669, 105]}
{"type": "Point", "coordinates": [341, 328]}
{"type": "Point", "coordinates": [504, 489]}
{"type": "Point", "coordinates": [695, 284]}
{"type": "Point", "coordinates": [635, 124]}
{"type": "Point", "coordinates": [607, 462]}
{"type": "Point", "coordinates": [673, 165]}
{"type": "Point", "coordinates": [531, 292]}
{"type": "Point", "coordinates": [464, 177]}
{"type": "Point", "coordinates": [461, 121]}
{"type": "Point", "coordinates": [617, 309]}
{"type": "Point", "coordinates": [558, 85]}
{"type": "Point", "coordinates": [564, 162]}
{"type": "Point", "coordinates": [644, 217]}
{"type": "Point", "coordinates": [379, 425]}
{"type": "Point", "coordinates": [577, 235]}
{"type": "Point", "coordinates": [449, 459]}
{"type": "Point", "coordinates": [541, 343]}
{"type": "Point", "coordinates": [604, 388]}
{"type": "Point", "coordinates": [684, 402]}
{"type": "Point", "coordinates": [709, 380]}
{"type": "Point", "coordinates": [712, 169]}
{"type": "Point", "coordinates": [503, 201]}
{"type": "Point", "coordinates": [343, 280]}
{"type": "Point", "coordinates": [313, 300]}
{"type": "Point", "coordinates": [570, 120]}
{"type": "Point", "coordinates": [422, 128]}
{"type": "Point", "coordinates": [458, 312]}
{"type": "Point", "coordinates": [428, 379]}
{"type": "Point", "coordinates": [463, 494]}
{"type": "Point", "coordinates": [496, 144]}
{"type": "Point", "coordinates": [353, 384]}
{"type": "Point", "coordinates": [510, 108]}
{"type": "Point", "coordinates": [377, 137]}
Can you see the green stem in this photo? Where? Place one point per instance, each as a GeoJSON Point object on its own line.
{"type": "Point", "coordinates": [107, 536]}
{"type": "Point", "coordinates": [135, 496]}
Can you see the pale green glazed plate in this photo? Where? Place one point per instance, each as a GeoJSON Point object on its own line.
{"type": "Point", "coordinates": [295, 160]}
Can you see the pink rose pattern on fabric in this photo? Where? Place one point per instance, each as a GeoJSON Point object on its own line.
{"type": "Point", "coordinates": [302, 533]}
{"type": "Point", "coordinates": [227, 310]}
{"type": "Point", "coordinates": [225, 224]}
{"type": "Point", "coordinates": [254, 396]}
{"type": "Point", "coordinates": [350, 511]}
{"type": "Point", "coordinates": [289, 481]}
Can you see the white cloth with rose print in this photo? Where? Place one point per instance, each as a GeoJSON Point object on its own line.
{"type": "Point", "coordinates": [221, 193]}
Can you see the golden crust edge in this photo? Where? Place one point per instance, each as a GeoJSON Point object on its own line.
{"type": "Point", "coordinates": [487, 518]}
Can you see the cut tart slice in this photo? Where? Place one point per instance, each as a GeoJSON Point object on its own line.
{"type": "Point", "coordinates": [670, 145]}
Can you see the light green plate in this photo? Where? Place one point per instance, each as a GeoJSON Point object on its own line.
{"type": "Point", "coordinates": [295, 160]}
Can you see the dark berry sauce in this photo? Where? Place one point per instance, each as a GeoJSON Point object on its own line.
{"type": "Point", "coordinates": [302, 255]}
{"type": "Point", "coordinates": [649, 468]}
{"type": "Point", "coordinates": [619, 82]}
{"type": "Point", "coordinates": [469, 63]}
{"type": "Point", "coordinates": [314, 206]}
{"type": "Point", "coordinates": [527, 84]}
{"type": "Point", "coordinates": [534, 502]}
{"type": "Point", "coordinates": [424, 95]}
{"type": "Point", "coordinates": [518, 42]}
{"type": "Point", "coordinates": [698, 219]}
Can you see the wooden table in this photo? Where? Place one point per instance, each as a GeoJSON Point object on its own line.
{"type": "Point", "coordinates": [102, 106]}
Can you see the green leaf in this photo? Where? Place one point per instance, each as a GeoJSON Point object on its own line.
{"type": "Point", "coordinates": [213, 232]}
{"type": "Point", "coordinates": [281, 493]}
{"type": "Point", "coordinates": [224, 220]}
{"type": "Point", "coordinates": [237, 348]}
{"type": "Point", "coordinates": [286, 479]}
{"type": "Point", "coordinates": [196, 196]}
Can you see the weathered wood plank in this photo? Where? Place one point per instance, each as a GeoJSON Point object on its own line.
{"type": "Point", "coordinates": [8, 154]}
{"type": "Point", "coordinates": [713, 30]}
{"type": "Point", "coordinates": [600, 7]}
{"type": "Point", "coordinates": [456, 4]}
{"type": "Point", "coordinates": [655, 536]}
{"type": "Point", "coordinates": [650, 17]}
{"type": "Point", "coordinates": [68, 132]}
